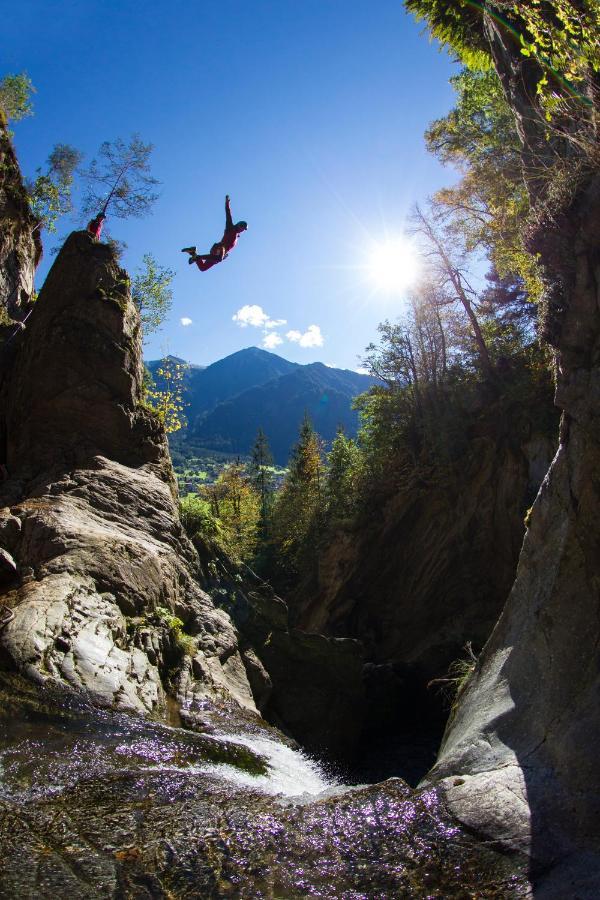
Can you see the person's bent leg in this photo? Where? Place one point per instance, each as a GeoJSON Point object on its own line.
{"type": "Point", "coordinates": [204, 262]}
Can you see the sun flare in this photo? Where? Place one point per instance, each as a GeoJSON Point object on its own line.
{"type": "Point", "coordinates": [394, 265]}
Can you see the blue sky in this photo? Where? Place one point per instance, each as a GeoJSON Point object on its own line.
{"type": "Point", "coordinates": [309, 113]}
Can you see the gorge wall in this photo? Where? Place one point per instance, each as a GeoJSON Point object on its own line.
{"type": "Point", "coordinates": [524, 739]}
{"type": "Point", "coordinates": [431, 566]}
{"type": "Point", "coordinates": [20, 242]}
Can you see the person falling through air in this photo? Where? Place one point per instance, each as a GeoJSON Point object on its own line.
{"type": "Point", "coordinates": [220, 250]}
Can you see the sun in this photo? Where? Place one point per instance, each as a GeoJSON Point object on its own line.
{"type": "Point", "coordinates": [394, 265]}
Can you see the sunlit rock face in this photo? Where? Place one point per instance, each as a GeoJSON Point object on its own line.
{"type": "Point", "coordinates": [89, 511]}
{"type": "Point", "coordinates": [527, 728]}
{"type": "Point", "coordinates": [20, 243]}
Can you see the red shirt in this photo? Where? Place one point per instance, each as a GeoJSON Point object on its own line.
{"type": "Point", "coordinates": [229, 239]}
{"type": "Point", "coordinates": [95, 227]}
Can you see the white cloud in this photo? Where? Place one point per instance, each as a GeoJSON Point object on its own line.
{"type": "Point", "coordinates": [185, 321]}
{"type": "Point", "coordinates": [253, 314]}
{"type": "Point", "coordinates": [271, 340]}
{"type": "Point", "coordinates": [312, 337]}
{"type": "Point", "coordinates": [250, 315]}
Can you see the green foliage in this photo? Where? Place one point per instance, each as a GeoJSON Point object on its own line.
{"type": "Point", "coordinates": [560, 38]}
{"type": "Point", "coordinates": [344, 472]}
{"type": "Point", "coordinates": [152, 294]}
{"type": "Point", "coordinates": [15, 96]}
{"type": "Point", "coordinates": [261, 474]}
{"type": "Point", "coordinates": [563, 38]}
{"type": "Point", "coordinates": [185, 642]}
{"type": "Point", "coordinates": [236, 506]}
{"type": "Point", "coordinates": [166, 396]}
{"type": "Point", "coordinates": [298, 515]}
{"type": "Point", "coordinates": [226, 513]}
{"type": "Point", "coordinates": [459, 672]}
{"type": "Point", "coordinates": [488, 207]}
{"type": "Point", "coordinates": [119, 181]}
{"type": "Point", "coordinates": [458, 24]}
{"type": "Point", "coordinates": [197, 518]}
{"type": "Point", "coordinates": [50, 194]}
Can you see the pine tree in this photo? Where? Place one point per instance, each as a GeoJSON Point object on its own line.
{"type": "Point", "coordinates": [344, 464]}
{"type": "Point", "coordinates": [299, 512]}
{"type": "Point", "coordinates": [262, 479]}
{"type": "Point", "coordinates": [120, 180]}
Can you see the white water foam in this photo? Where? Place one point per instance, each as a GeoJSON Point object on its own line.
{"type": "Point", "coordinates": [291, 772]}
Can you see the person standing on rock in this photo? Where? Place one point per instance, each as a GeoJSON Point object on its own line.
{"type": "Point", "coordinates": [220, 250]}
{"type": "Point", "coordinates": [95, 226]}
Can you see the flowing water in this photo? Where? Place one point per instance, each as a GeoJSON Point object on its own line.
{"type": "Point", "coordinates": [97, 804]}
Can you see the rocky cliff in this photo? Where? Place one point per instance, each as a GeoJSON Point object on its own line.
{"type": "Point", "coordinates": [519, 760]}
{"type": "Point", "coordinates": [92, 541]}
{"type": "Point", "coordinates": [525, 736]}
{"type": "Point", "coordinates": [432, 564]}
{"type": "Point", "coordinates": [20, 242]}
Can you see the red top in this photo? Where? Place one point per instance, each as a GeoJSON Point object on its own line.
{"type": "Point", "coordinates": [95, 227]}
{"type": "Point", "coordinates": [230, 235]}
{"type": "Point", "coordinates": [229, 239]}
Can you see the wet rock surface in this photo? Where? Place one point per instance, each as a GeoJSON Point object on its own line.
{"type": "Point", "coordinates": [98, 804]}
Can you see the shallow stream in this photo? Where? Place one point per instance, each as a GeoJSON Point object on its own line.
{"type": "Point", "coordinates": [98, 804]}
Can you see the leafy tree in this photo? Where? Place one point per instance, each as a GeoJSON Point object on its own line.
{"type": "Point", "coordinates": [152, 294]}
{"type": "Point", "coordinates": [50, 193]}
{"type": "Point", "coordinates": [558, 40]}
{"type": "Point", "coordinates": [236, 506]}
{"type": "Point", "coordinates": [197, 518]}
{"type": "Point", "coordinates": [166, 396]}
{"type": "Point", "coordinates": [489, 205]}
{"type": "Point", "coordinates": [547, 58]}
{"type": "Point", "coordinates": [15, 96]}
{"type": "Point", "coordinates": [120, 180]}
{"type": "Point", "coordinates": [447, 266]}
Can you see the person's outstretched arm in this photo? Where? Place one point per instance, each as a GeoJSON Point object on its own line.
{"type": "Point", "coordinates": [228, 219]}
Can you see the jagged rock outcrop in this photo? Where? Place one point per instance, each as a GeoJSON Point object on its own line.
{"type": "Point", "coordinates": [105, 598]}
{"type": "Point", "coordinates": [20, 242]}
{"type": "Point", "coordinates": [433, 565]}
{"type": "Point", "coordinates": [525, 736]}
